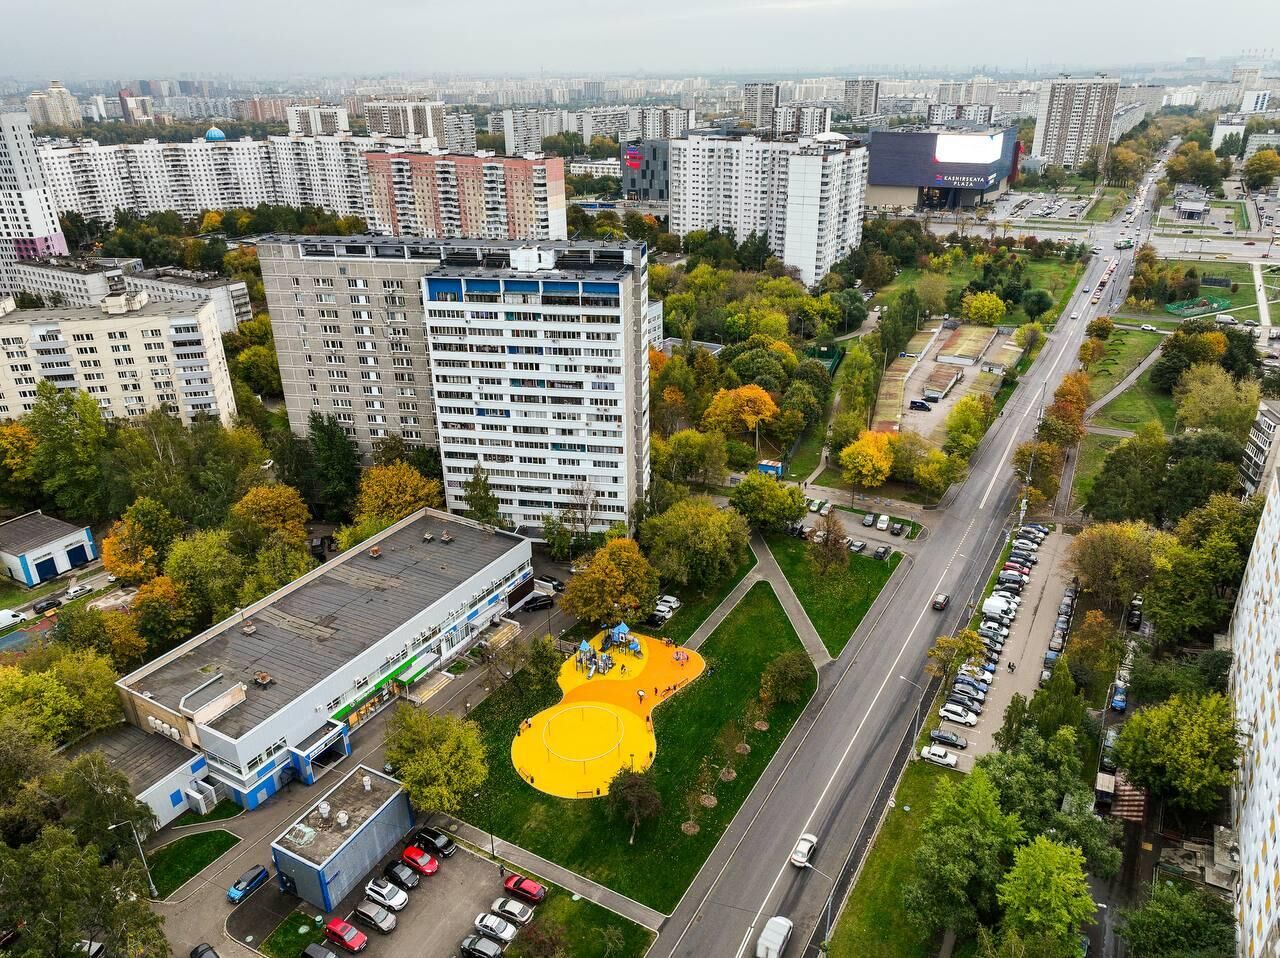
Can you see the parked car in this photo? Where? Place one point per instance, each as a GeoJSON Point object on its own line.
{"type": "Point", "coordinates": [1045, 676]}
{"type": "Point", "coordinates": [1065, 607]}
{"type": "Point", "coordinates": [420, 860]}
{"type": "Point", "coordinates": [974, 691]}
{"type": "Point", "coordinates": [896, 529]}
{"type": "Point", "coordinates": [1120, 698]}
{"type": "Point", "coordinates": [202, 950]}
{"type": "Point", "coordinates": [979, 675]}
{"type": "Point", "coordinates": [538, 601]}
{"type": "Point", "coordinates": [882, 553]}
{"type": "Point", "coordinates": [1062, 622]}
{"type": "Point", "coordinates": [806, 845]}
{"type": "Point", "coordinates": [1133, 618]}
{"type": "Point", "coordinates": [1005, 620]}
{"type": "Point", "coordinates": [400, 874]}
{"type": "Point", "coordinates": [476, 946]}
{"type": "Point", "coordinates": [75, 592]}
{"type": "Point", "coordinates": [1010, 597]}
{"type": "Point", "coordinates": [10, 617]}
{"type": "Point", "coordinates": [1026, 545]}
{"type": "Point", "coordinates": [346, 936]}
{"type": "Point", "coordinates": [883, 522]}
{"type": "Point", "coordinates": [492, 926]}
{"type": "Point", "coordinates": [857, 545]}
{"type": "Point", "coordinates": [1109, 749]}
{"type": "Point", "coordinates": [1023, 558]}
{"type": "Point", "coordinates": [382, 892]}
{"type": "Point", "coordinates": [247, 884]}
{"type": "Point", "coordinates": [315, 950]}
{"type": "Point", "coordinates": [45, 605]}
{"type": "Point", "coordinates": [939, 756]}
{"type": "Point", "coordinates": [1018, 567]}
{"type": "Point", "coordinates": [869, 519]}
{"type": "Point", "coordinates": [825, 510]}
{"type": "Point", "coordinates": [375, 916]}
{"type": "Point", "coordinates": [512, 910]}
{"type": "Point", "coordinates": [815, 505]}
{"type": "Point", "coordinates": [435, 841]}
{"type": "Point", "coordinates": [552, 581]}
{"type": "Point", "coordinates": [940, 601]}
{"type": "Point", "coordinates": [942, 736]}
{"type": "Point", "coordinates": [957, 714]}
{"type": "Point", "coordinates": [525, 889]}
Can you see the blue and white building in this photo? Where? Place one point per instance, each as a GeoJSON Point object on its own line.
{"type": "Point", "coordinates": [35, 547]}
{"type": "Point", "coordinates": [273, 694]}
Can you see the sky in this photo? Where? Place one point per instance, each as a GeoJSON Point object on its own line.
{"type": "Point", "coordinates": [277, 38]}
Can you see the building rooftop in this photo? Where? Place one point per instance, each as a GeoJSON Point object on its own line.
{"type": "Point", "coordinates": [81, 267]}
{"type": "Point", "coordinates": [145, 758]}
{"type": "Point", "coordinates": [315, 625]}
{"type": "Point", "coordinates": [319, 832]}
{"type": "Point", "coordinates": [183, 277]}
{"type": "Point", "coordinates": [32, 530]}
{"type": "Point", "coordinates": [376, 241]}
{"type": "Point", "coordinates": [158, 308]}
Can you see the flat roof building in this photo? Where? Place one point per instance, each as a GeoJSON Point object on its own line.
{"type": "Point", "coordinates": [1074, 120]}
{"type": "Point", "coordinates": [940, 166]}
{"type": "Point", "coordinates": [35, 547]}
{"type": "Point", "coordinates": [272, 694]}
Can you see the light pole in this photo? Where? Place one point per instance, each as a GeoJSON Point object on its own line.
{"type": "Point", "coordinates": [826, 934]}
{"type": "Point", "coordinates": [141, 854]}
{"type": "Point", "coordinates": [916, 723]}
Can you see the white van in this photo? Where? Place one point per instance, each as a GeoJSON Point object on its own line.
{"type": "Point", "coordinates": [998, 607]}
{"type": "Point", "coordinates": [773, 939]}
{"type": "Point", "coordinates": [9, 617]}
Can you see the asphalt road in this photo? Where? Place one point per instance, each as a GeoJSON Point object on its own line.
{"type": "Point", "coordinates": [825, 777]}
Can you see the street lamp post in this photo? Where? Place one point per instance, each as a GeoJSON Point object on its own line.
{"type": "Point", "coordinates": [141, 854]}
{"type": "Point", "coordinates": [916, 723]}
{"type": "Point", "coordinates": [826, 934]}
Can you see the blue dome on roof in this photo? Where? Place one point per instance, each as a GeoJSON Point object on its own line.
{"type": "Point", "coordinates": [213, 135]}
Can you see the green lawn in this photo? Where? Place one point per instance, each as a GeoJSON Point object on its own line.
{"type": "Point", "coordinates": [579, 834]}
{"type": "Point", "coordinates": [698, 605]}
{"type": "Point", "coordinates": [13, 594]}
{"type": "Point", "coordinates": [912, 527]}
{"type": "Point", "coordinates": [292, 935]}
{"type": "Point", "coordinates": [582, 924]}
{"type": "Point", "coordinates": [1090, 455]}
{"type": "Point", "coordinates": [808, 452]}
{"type": "Point", "coordinates": [836, 602]}
{"type": "Point", "coordinates": [1125, 349]}
{"type": "Point", "coordinates": [1140, 403]}
{"type": "Point", "coordinates": [1113, 200]}
{"type": "Point", "coordinates": [175, 864]}
{"type": "Point", "coordinates": [1239, 273]}
{"type": "Point", "coordinates": [221, 812]}
{"type": "Point", "coordinates": [874, 922]}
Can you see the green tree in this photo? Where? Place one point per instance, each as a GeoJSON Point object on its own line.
{"type": "Point", "coordinates": [1209, 398]}
{"type": "Point", "coordinates": [276, 564]}
{"type": "Point", "coordinates": [1113, 559]}
{"type": "Point", "coordinates": [1128, 487]}
{"type": "Point", "coordinates": [1036, 302]}
{"type": "Point", "coordinates": [1175, 921]}
{"type": "Point", "coordinates": [949, 652]}
{"type": "Point", "coordinates": [71, 441]}
{"type": "Point", "coordinates": [208, 570]}
{"type": "Point", "coordinates": [765, 502]}
{"type": "Point", "coordinates": [350, 536]}
{"type": "Point", "coordinates": [1015, 720]}
{"type": "Point", "coordinates": [258, 368]}
{"type": "Point", "coordinates": [335, 465]}
{"type": "Point", "coordinates": [92, 796]}
{"type": "Point", "coordinates": [482, 501]}
{"type": "Point", "coordinates": [542, 666]}
{"type": "Point", "coordinates": [274, 509]}
{"type": "Point", "coordinates": [439, 758]}
{"type": "Point", "coordinates": [695, 542]}
{"type": "Point", "coordinates": [1046, 891]}
{"type": "Point", "coordinates": [1184, 750]}
{"type": "Point", "coordinates": [1261, 169]}
{"type": "Point", "coordinates": [163, 611]}
{"type": "Point", "coordinates": [615, 584]}
{"type": "Point", "coordinates": [787, 679]}
{"type": "Point", "coordinates": [986, 309]}
{"type": "Point", "coordinates": [1058, 704]}
{"type": "Point", "coordinates": [634, 798]}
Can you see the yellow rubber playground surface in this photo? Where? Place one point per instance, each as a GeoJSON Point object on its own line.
{"type": "Point", "coordinates": [604, 722]}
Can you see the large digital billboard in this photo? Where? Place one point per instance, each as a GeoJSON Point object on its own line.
{"type": "Point", "coordinates": [967, 148]}
{"type": "Point", "coordinates": [932, 159]}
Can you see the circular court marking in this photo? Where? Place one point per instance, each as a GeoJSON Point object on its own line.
{"type": "Point", "coordinates": [582, 733]}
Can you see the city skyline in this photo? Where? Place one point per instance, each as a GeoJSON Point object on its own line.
{"type": "Point", "coordinates": [710, 37]}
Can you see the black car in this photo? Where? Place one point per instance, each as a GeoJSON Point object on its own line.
{"type": "Point", "coordinates": [940, 736]}
{"type": "Point", "coordinates": [402, 875]}
{"type": "Point", "coordinates": [435, 841]}
{"type": "Point", "coordinates": [895, 529]}
{"type": "Point", "coordinates": [539, 601]}
{"type": "Point", "coordinates": [317, 951]}
{"type": "Point", "coordinates": [883, 553]}
{"type": "Point", "coordinates": [869, 519]}
{"type": "Point", "coordinates": [203, 950]}
{"type": "Point", "coordinates": [1134, 618]}
{"type": "Point", "coordinates": [44, 605]}
{"type": "Point", "coordinates": [965, 703]}
{"type": "Point", "coordinates": [553, 582]}
{"type": "Point", "coordinates": [473, 946]}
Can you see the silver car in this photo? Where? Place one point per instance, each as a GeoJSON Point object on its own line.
{"type": "Point", "coordinates": [513, 911]}
{"type": "Point", "coordinates": [382, 892]}
{"type": "Point", "coordinates": [499, 929]}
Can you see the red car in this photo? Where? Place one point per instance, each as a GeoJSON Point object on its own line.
{"type": "Point", "coordinates": [345, 936]}
{"type": "Point", "coordinates": [525, 888]}
{"type": "Point", "coordinates": [419, 860]}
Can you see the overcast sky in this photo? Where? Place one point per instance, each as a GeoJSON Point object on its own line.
{"type": "Point", "coordinates": [275, 38]}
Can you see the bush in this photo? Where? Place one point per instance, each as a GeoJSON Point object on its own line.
{"type": "Point", "coordinates": [740, 454]}
{"type": "Point", "coordinates": [786, 679]}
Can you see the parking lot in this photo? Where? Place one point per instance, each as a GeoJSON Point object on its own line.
{"type": "Point", "coordinates": [1068, 207]}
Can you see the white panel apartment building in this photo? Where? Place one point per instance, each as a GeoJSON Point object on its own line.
{"type": "Point", "coordinates": [862, 97]}
{"type": "Point", "coordinates": [801, 120]}
{"type": "Point", "coordinates": [55, 106]}
{"type": "Point", "coordinates": [1073, 117]}
{"type": "Point", "coordinates": [528, 361]}
{"type": "Point", "coordinates": [759, 100]}
{"type": "Point", "coordinates": [805, 196]}
{"type": "Point", "coordinates": [29, 226]}
{"type": "Point", "coordinates": [314, 120]}
{"type": "Point", "coordinates": [129, 354]}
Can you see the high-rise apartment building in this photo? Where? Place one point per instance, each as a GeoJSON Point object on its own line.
{"type": "Point", "coordinates": [484, 196]}
{"type": "Point", "coordinates": [1074, 118]}
{"type": "Point", "coordinates": [128, 353]}
{"type": "Point", "coordinates": [759, 100]}
{"type": "Point", "coordinates": [54, 107]}
{"type": "Point", "coordinates": [806, 196]}
{"type": "Point", "coordinates": [966, 112]}
{"type": "Point", "coordinates": [136, 110]}
{"type": "Point", "coordinates": [862, 97]}
{"type": "Point", "coordinates": [459, 132]}
{"type": "Point", "coordinates": [1217, 95]}
{"type": "Point", "coordinates": [29, 226]}
{"type": "Point", "coordinates": [526, 360]}
{"type": "Point", "coordinates": [405, 117]}
{"type": "Point", "coordinates": [801, 120]}
{"type": "Point", "coordinates": [953, 91]}
{"type": "Point", "coordinates": [1016, 103]}
{"type": "Point", "coordinates": [315, 120]}
{"type": "Point", "coordinates": [664, 123]}
{"type": "Point", "coordinates": [523, 130]}
{"type": "Point", "coordinates": [1255, 101]}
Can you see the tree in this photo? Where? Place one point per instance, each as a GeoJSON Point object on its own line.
{"type": "Point", "coordinates": [1046, 891]}
{"type": "Point", "coordinates": [395, 491]}
{"type": "Point", "coordinates": [932, 289]}
{"type": "Point", "coordinates": [1184, 750]}
{"type": "Point", "coordinates": [736, 410]}
{"type": "Point", "coordinates": [1097, 643]}
{"type": "Point", "coordinates": [258, 367]}
{"type": "Point", "coordinates": [350, 536]}
{"type": "Point", "coordinates": [765, 503]}
{"type": "Point", "coordinates": [787, 679]}
{"type": "Point", "coordinates": [102, 903]}
{"type": "Point", "coordinates": [335, 466]}
{"type": "Point", "coordinates": [1128, 487]}
{"type": "Point", "coordinates": [986, 309]}
{"type": "Point", "coordinates": [1261, 169]}
{"type": "Point", "coordinates": [1091, 351]}
{"type": "Point", "coordinates": [482, 501]}
{"type": "Point", "coordinates": [1036, 302]}
{"type": "Point", "coordinates": [276, 510]}
{"type": "Point", "coordinates": [439, 758]}
{"type": "Point", "coordinates": [865, 463]}
{"type": "Point", "coordinates": [1177, 920]}
{"type": "Point", "coordinates": [112, 633]}
{"type": "Point", "coordinates": [277, 563]}
{"type": "Point", "coordinates": [92, 796]}
{"type": "Point", "coordinates": [1039, 464]}
{"type": "Point", "coordinates": [695, 542]}
{"type": "Point", "coordinates": [138, 544]}
{"type": "Point", "coordinates": [1058, 704]}
{"type": "Point", "coordinates": [1209, 398]}
{"type": "Point", "coordinates": [949, 652]}
{"type": "Point", "coordinates": [1113, 559]}
{"type": "Point", "coordinates": [70, 443]}
{"type": "Point", "coordinates": [966, 845]}
{"type": "Point", "coordinates": [1029, 335]}
{"type": "Point", "coordinates": [163, 612]}
{"type": "Point", "coordinates": [542, 666]}
{"type": "Point", "coordinates": [19, 484]}
{"type": "Point", "coordinates": [615, 583]}
{"type": "Point", "coordinates": [208, 570]}
{"type": "Point", "coordinates": [1100, 328]}
{"type": "Point", "coordinates": [828, 549]}
{"type": "Point", "coordinates": [1013, 944]}
{"type": "Point", "coordinates": [1015, 720]}
{"type": "Point", "coordinates": [634, 798]}
{"type": "Point", "coordinates": [966, 424]}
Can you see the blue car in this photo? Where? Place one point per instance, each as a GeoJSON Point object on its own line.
{"type": "Point", "coordinates": [247, 884]}
{"type": "Point", "coordinates": [1120, 698]}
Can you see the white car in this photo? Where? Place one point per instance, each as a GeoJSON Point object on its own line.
{"type": "Point", "coordinates": [803, 852]}
{"type": "Point", "coordinates": [382, 892]}
{"type": "Point", "coordinates": [883, 522]}
{"type": "Point", "coordinates": [825, 510]}
{"type": "Point", "coordinates": [1026, 545]}
{"type": "Point", "coordinates": [75, 592]}
{"type": "Point", "coordinates": [994, 628]}
{"type": "Point", "coordinates": [1148, 327]}
{"type": "Point", "coordinates": [10, 617]}
{"type": "Point", "coordinates": [1014, 600]}
{"type": "Point", "coordinates": [491, 926]}
{"type": "Point", "coordinates": [980, 676]}
{"type": "Point", "coordinates": [939, 756]}
{"type": "Point", "coordinates": [954, 713]}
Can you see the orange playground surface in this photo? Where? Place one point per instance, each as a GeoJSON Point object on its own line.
{"type": "Point", "coordinates": [604, 721]}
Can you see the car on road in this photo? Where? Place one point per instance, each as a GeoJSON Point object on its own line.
{"type": "Point", "coordinates": [857, 545]}
{"type": "Point", "coordinates": [45, 605]}
{"type": "Point", "coordinates": [882, 553]}
{"type": "Point", "coordinates": [941, 601]}
{"type": "Point", "coordinates": [957, 714]}
{"type": "Point", "coordinates": [384, 893]}
{"type": "Point", "coordinates": [400, 874]}
{"type": "Point", "coordinates": [942, 736]}
{"type": "Point", "coordinates": [75, 592]}
{"type": "Point", "coordinates": [346, 936]}
{"type": "Point", "coordinates": [896, 529]}
{"type": "Point", "coordinates": [435, 841]}
{"type": "Point", "coordinates": [512, 910]}
{"type": "Point", "coordinates": [1075, 315]}
{"type": "Point", "coordinates": [375, 916]}
{"type": "Point", "coordinates": [869, 519]}
{"type": "Point", "coordinates": [420, 860]}
{"type": "Point", "coordinates": [525, 889]}
{"type": "Point", "coordinates": [1147, 327]}
{"type": "Point", "coordinates": [499, 929]}
{"type": "Point", "coordinates": [1120, 699]}
{"type": "Point", "coordinates": [774, 937]}
{"type": "Point", "coordinates": [537, 602]}
{"type": "Point", "coordinates": [247, 884]}
{"type": "Point", "coordinates": [806, 844]}
{"type": "Point", "coordinates": [476, 946]}
{"type": "Point", "coordinates": [939, 756]}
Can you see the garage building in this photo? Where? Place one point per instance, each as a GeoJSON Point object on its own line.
{"type": "Point", "coordinates": [331, 849]}
{"type": "Point", "coordinates": [35, 547]}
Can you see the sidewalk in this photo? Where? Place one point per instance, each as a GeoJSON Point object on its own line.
{"type": "Point", "coordinates": [1123, 384]}
{"type": "Point", "coordinates": [771, 572]}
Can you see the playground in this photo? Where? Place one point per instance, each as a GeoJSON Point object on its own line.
{"type": "Point", "coordinates": [604, 721]}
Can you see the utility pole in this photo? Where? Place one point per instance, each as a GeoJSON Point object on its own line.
{"type": "Point", "coordinates": [142, 856]}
